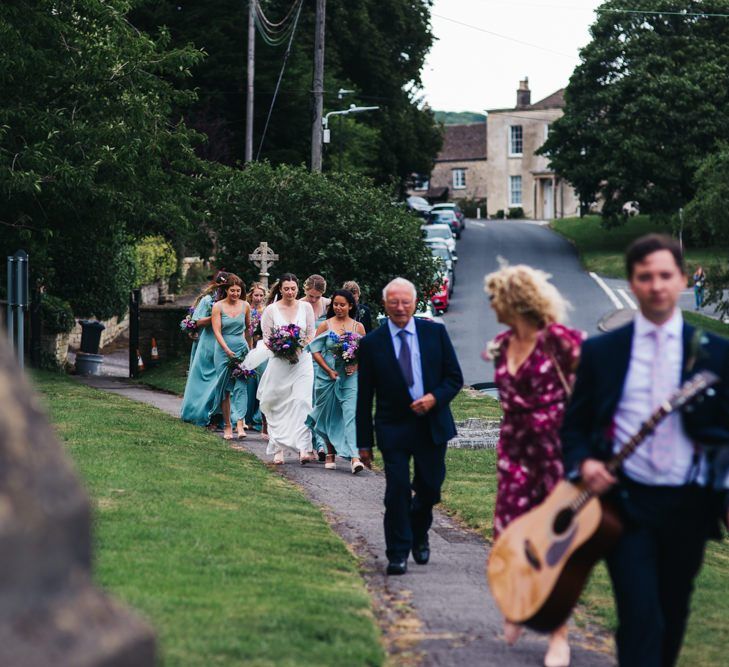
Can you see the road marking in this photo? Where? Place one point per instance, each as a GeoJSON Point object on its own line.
{"type": "Point", "coordinates": [627, 299]}
{"type": "Point", "coordinates": [611, 295]}
{"type": "Point", "coordinates": [476, 222]}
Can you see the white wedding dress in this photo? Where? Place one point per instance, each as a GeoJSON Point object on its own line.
{"type": "Point", "coordinates": [286, 389]}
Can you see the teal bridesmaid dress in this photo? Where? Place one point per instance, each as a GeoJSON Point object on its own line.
{"type": "Point", "coordinates": [233, 330]}
{"type": "Point", "coordinates": [253, 413]}
{"type": "Point", "coordinates": [201, 377]}
{"type": "Point", "coordinates": [335, 401]}
{"type": "Point", "coordinates": [318, 443]}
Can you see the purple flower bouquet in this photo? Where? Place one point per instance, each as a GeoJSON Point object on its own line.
{"type": "Point", "coordinates": [187, 324]}
{"type": "Point", "coordinates": [238, 372]}
{"type": "Point", "coordinates": [346, 346]}
{"type": "Point", "coordinates": [286, 342]}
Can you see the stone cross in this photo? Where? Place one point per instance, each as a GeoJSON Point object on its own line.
{"type": "Point", "coordinates": [263, 257]}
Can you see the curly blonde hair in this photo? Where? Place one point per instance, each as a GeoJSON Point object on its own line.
{"type": "Point", "coordinates": [523, 290]}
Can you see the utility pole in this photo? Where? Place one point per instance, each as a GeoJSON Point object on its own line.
{"type": "Point", "coordinates": [318, 86]}
{"type": "Point", "coordinates": [251, 74]}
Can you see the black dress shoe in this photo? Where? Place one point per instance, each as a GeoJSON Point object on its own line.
{"type": "Point", "coordinates": [399, 566]}
{"type": "Point", "coordinates": [421, 553]}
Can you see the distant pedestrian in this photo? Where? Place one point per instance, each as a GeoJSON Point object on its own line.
{"type": "Point", "coordinates": [410, 366]}
{"type": "Point", "coordinates": [699, 287]}
{"type": "Point", "coordinates": [535, 361]}
{"type": "Point", "coordinates": [363, 313]}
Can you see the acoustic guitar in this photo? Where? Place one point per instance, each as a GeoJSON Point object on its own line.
{"type": "Point", "coordinates": [541, 562]}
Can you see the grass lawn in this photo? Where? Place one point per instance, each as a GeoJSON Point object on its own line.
{"type": "Point", "coordinates": [231, 563]}
{"type": "Point", "coordinates": [603, 250]}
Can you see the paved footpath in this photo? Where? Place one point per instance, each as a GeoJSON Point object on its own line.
{"type": "Point", "coordinates": [438, 614]}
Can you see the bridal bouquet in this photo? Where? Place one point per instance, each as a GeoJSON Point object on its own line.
{"type": "Point", "coordinates": [285, 342]}
{"type": "Point", "coordinates": [255, 326]}
{"type": "Point", "coordinates": [238, 372]}
{"type": "Point", "coordinates": [346, 346]}
{"type": "Point", "coordinates": [187, 324]}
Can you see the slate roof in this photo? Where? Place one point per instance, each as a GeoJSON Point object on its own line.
{"type": "Point", "coordinates": [464, 142]}
{"type": "Point", "coordinates": [553, 101]}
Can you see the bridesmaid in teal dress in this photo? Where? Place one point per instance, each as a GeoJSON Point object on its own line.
{"type": "Point", "coordinates": [256, 298]}
{"type": "Point", "coordinates": [231, 320]}
{"type": "Point", "coordinates": [335, 384]}
{"type": "Point", "coordinates": [201, 376]}
{"type": "Point", "coordinates": [314, 288]}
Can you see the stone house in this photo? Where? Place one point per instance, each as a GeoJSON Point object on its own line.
{"type": "Point", "coordinates": [460, 170]}
{"type": "Point", "coordinates": [496, 161]}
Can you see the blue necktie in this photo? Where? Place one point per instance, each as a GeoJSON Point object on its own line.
{"type": "Point", "coordinates": [406, 363]}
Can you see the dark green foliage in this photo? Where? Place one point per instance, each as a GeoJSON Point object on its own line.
{"type": "Point", "coordinates": [706, 214]}
{"type": "Point", "coordinates": [155, 259]}
{"type": "Point", "coordinates": [56, 315]}
{"type": "Point", "coordinates": [332, 225]}
{"type": "Point", "coordinates": [647, 103]}
{"type": "Point", "coordinates": [458, 117]}
{"type": "Point", "coordinates": [91, 155]}
{"type": "Point", "coordinates": [469, 206]}
{"type": "Point", "coordinates": [515, 213]}
{"type": "Point", "coordinates": [375, 47]}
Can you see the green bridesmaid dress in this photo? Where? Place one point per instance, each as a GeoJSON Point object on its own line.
{"type": "Point", "coordinates": [318, 443]}
{"type": "Point", "coordinates": [233, 330]}
{"type": "Point", "coordinates": [201, 377]}
{"type": "Point", "coordinates": [335, 401]}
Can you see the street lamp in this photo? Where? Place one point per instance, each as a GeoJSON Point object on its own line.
{"type": "Point", "coordinates": [353, 108]}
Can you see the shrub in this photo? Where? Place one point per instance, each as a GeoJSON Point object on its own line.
{"type": "Point", "coordinates": [515, 213]}
{"type": "Point", "coordinates": [338, 226]}
{"type": "Point", "coordinates": [56, 315]}
{"type": "Point", "coordinates": [469, 206]}
{"type": "Point", "coordinates": [155, 259]}
{"type": "Point", "coordinates": [499, 214]}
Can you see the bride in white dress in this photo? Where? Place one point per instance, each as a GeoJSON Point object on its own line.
{"type": "Point", "coordinates": [285, 390]}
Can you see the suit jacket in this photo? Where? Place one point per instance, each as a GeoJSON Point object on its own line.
{"type": "Point", "coordinates": [601, 374]}
{"type": "Point", "coordinates": [381, 378]}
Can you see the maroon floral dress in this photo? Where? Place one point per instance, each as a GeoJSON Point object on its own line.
{"type": "Point", "coordinates": [533, 399]}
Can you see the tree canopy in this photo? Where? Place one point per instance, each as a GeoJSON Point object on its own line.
{"type": "Point", "coordinates": [646, 104]}
{"type": "Point", "coordinates": [376, 48]}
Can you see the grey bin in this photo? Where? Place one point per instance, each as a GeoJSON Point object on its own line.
{"type": "Point", "coordinates": [88, 364]}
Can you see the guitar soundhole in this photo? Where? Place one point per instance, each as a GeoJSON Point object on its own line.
{"type": "Point", "coordinates": [563, 521]}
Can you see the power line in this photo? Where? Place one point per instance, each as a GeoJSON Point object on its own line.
{"type": "Point", "coordinates": [280, 76]}
{"type": "Point", "coordinates": [613, 10]}
{"type": "Point", "coordinates": [506, 37]}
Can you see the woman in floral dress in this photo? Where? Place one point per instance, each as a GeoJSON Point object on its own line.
{"type": "Point", "coordinates": [535, 360]}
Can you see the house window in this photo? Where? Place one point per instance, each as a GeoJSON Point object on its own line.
{"type": "Point", "coordinates": [459, 179]}
{"type": "Point", "coordinates": [420, 182]}
{"type": "Point", "coordinates": [546, 131]}
{"type": "Point", "coordinates": [516, 140]}
{"type": "Point", "coordinates": [514, 190]}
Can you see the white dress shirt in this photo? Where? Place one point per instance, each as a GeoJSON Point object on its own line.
{"type": "Point", "coordinates": [635, 405]}
{"type": "Point", "coordinates": [417, 390]}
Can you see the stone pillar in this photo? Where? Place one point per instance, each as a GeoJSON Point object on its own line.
{"type": "Point", "coordinates": [50, 611]}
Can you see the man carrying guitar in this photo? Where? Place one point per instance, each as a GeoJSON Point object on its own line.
{"type": "Point", "coordinates": [672, 489]}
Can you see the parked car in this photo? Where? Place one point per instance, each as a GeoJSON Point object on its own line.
{"type": "Point", "coordinates": [442, 253]}
{"type": "Point", "coordinates": [418, 205]}
{"type": "Point", "coordinates": [426, 312]}
{"type": "Point", "coordinates": [451, 206]}
{"type": "Point", "coordinates": [441, 299]}
{"type": "Point", "coordinates": [441, 233]}
{"type": "Point", "coordinates": [432, 243]}
{"type": "Point", "coordinates": [446, 217]}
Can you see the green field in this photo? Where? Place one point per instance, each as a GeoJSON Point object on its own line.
{"type": "Point", "coordinates": [603, 250]}
{"type": "Point", "coordinates": [230, 563]}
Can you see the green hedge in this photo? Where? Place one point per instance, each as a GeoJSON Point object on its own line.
{"type": "Point", "coordinates": [155, 259]}
{"type": "Point", "coordinates": [56, 315]}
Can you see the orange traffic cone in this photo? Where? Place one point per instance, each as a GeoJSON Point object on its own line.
{"type": "Point", "coordinates": [140, 362]}
{"type": "Point", "coordinates": [155, 352]}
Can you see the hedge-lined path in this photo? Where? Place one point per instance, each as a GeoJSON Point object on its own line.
{"type": "Point", "coordinates": [439, 614]}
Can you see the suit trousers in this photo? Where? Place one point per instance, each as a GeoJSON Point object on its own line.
{"type": "Point", "coordinates": [653, 567]}
{"type": "Point", "coordinates": [409, 505]}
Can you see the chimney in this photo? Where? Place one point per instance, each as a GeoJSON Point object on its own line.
{"type": "Point", "coordinates": [523, 94]}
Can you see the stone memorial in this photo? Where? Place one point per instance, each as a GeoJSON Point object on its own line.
{"type": "Point", "coordinates": [51, 613]}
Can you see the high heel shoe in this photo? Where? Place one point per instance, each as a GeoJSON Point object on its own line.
{"type": "Point", "coordinates": [329, 462]}
{"type": "Point", "coordinates": [278, 458]}
{"type": "Point", "coordinates": [558, 654]}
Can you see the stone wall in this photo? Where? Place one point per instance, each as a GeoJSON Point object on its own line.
{"type": "Point", "coordinates": [476, 178]}
{"type": "Point", "coordinates": [163, 324]}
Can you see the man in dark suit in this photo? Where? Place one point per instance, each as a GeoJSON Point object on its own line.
{"type": "Point", "coordinates": [410, 366]}
{"type": "Point", "coordinates": [672, 490]}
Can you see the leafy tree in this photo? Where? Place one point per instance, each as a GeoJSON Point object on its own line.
{"type": "Point", "coordinates": [91, 156]}
{"type": "Point", "coordinates": [332, 225]}
{"type": "Point", "coordinates": [647, 103]}
{"type": "Point", "coordinates": [375, 47]}
{"type": "Point", "coordinates": [705, 214]}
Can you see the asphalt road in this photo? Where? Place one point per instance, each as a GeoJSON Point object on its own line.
{"type": "Point", "coordinates": [470, 320]}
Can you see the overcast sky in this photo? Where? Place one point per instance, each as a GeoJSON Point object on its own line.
{"type": "Point", "coordinates": [470, 70]}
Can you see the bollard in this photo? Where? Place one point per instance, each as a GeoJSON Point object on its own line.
{"type": "Point", "coordinates": [17, 302]}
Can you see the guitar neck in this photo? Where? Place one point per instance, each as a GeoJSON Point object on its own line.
{"type": "Point", "coordinates": [647, 429]}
